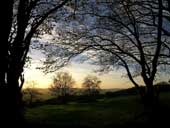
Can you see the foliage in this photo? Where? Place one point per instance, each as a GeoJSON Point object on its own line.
{"type": "Point", "coordinates": [121, 33]}
{"type": "Point", "coordinates": [30, 92]}
{"type": "Point", "coordinates": [91, 85]}
{"type": "Point", "coordinates": [62, 84]}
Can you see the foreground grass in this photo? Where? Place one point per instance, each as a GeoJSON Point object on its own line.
{"type": "Point", "coordinates": [123, 111]}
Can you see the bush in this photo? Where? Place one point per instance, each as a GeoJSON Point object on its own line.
{"type": "Point", "coordinates": [163, 86]}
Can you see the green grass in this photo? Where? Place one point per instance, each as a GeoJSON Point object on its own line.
{"type": "Point", "coordinates": [103, 113]}
{"type": "Point", "coordinates": [123, 111]}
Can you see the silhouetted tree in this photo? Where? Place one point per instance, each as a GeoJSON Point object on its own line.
{"type": "Point", "coordinates": [62, 84]}
{"type": "Point", "coordinates": [121, 33]}
{"type": "Point", "coordinates": [31, 92]}
{"type": "Point", "coordinates": [21, 20]}
{"type": "Point", "coordinates": [91, 84]}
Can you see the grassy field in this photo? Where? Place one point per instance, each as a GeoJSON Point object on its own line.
{"type": "Point", "coordinates": [122, 111]}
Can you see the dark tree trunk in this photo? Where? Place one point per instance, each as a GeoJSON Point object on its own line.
{"type": "Point", "coordinates": [8, 96]}
{"type": "Point", "coordinates": [15, 100]}
{"type": "Point", "coordinates": [13, 55]}
{"type": "Point", "coordinates": [11, 107]}
{"type": "Point", "coordinates": [151, 95]}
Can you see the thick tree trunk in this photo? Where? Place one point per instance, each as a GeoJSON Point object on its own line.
{"type": "Point", "coordinates": [11, 102]}
{"type": "Point", "coordinates": [151, 96]}
{"type": "Point", "coordinates": [11, 107]}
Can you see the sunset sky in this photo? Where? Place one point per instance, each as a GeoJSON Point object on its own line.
{"type": "Point", "coordinates": [112, 79]}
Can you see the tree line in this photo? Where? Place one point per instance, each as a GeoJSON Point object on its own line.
{"type": "Point", "coordinates": [64, 86]}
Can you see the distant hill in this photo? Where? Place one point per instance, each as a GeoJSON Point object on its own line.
{"type": "Point", "coordinates": [161, 87]}
{"type": "Point", "coordinates": [44, 93]}
{"type": "Point", "coordinates": [78, 90]}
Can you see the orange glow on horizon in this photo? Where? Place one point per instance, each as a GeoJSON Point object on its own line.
{"type": "Point", "coordinates": [79, 72]}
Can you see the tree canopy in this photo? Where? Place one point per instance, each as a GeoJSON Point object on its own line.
{"type": "Point", "coordinates": [91, 84]}
{"type": "Point", "coordinates": [122, 33]}
{"type": "Point", "coordinates": [62, 84]}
